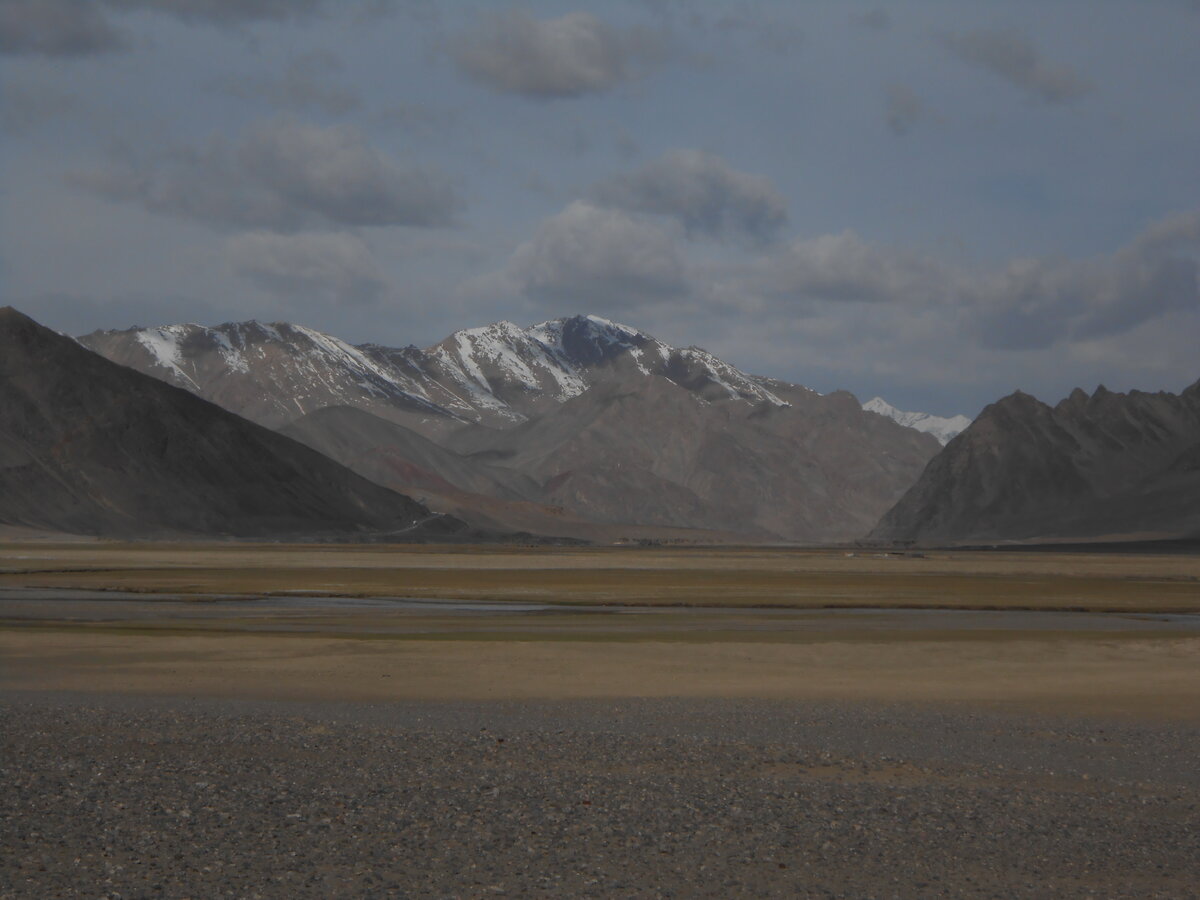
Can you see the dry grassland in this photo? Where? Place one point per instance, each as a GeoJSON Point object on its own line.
{"type": "Point", "coordinates": [1157, 679]}
{"type": "Point", "coordinates": [1032, 661]}
{"type": "Point", "coordinates": [658, 577]}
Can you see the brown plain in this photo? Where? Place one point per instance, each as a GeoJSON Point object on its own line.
{"type": "Point", "coordinates": [376, 657]}
{"type": "Point", "coordinates": [721, 576]}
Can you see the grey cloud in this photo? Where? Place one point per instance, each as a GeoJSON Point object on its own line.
{"type": "Point", "coordinates": [1012, 55]}
{"type": "Point", "coordinates": [25, 106]}
{"type": "Point", "coordinates": [590, 255]}
{"type": "Point", "coordinates": [844, 267]}
{"type": "Point", "coordinates": [874, 19]}
{"type": "Point", "coordinates": [323, 267]}
{"type": "Point", "coordinates": [67, 28]}
{"type": "Point", "coordinates": [904, 109]}
{"type": "Point", "coordinates": [1029, 304]}
{"type": "Point", "coordinates": [1036, 303]}
{"type": "Point", "coordinates": [566, 56]}
{"type": "Point", "coordinates": [283, 175]}
{"type": "Point", "coordinates": [224, 12]}
{"type": "Point", "coordinates": [61, 28]}
{"type": "Point", "coordinates": [703, 192]}
{"type": "Point", "coordinates": [306, 84]}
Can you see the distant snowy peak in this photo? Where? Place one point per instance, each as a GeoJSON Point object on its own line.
{"type": "Point", "coordinates": [942, 428]}
{"type": "Point", "coordinates": [269, 373]}
{"type": "Point", "coordinates": [561, 358]}
{"type": "Point", "coordinates": [497, 375]}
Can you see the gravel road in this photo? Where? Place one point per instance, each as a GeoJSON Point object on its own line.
{"type": "Point", "coordinates": [119, 796]}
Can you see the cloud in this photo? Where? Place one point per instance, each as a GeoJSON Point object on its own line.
{"type": "Point", "coordinates": [568, 56]}
{"type": "Point", "coordinates": [63, 28]}
{"type": "Point", "coordinates": [703, 192]}
{"type": "Point", "coordinates": [904, 109]}
{"type": "Point", "coordinates": [1012, 55]}
{"type": "Point", "coordinates": [26, 106]}
{"type": "Point", "coordinates": [224, 12]}
{"type": "Point", "coordinates": [590, 255]}
{"type": "Point", "coordinates": [304, 85]}
{"type": "Point", "coordinates": [325, 267]}
{"type": "Point", "coordinates": [1027, 304]}
{"type": "Point", "coordinates": [843, 267]}
{"type": "Point", "coordinates": [282, 175]}
{"type": "Point", "coordinates": [67, 28]}
{"type": "Point", "coordinates": [1039, 302]}
{"type": "Point", "coordinates": [874, 19]}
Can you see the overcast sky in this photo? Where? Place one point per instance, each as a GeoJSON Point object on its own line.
{"type": "Point", "coordinates": [938, 202]}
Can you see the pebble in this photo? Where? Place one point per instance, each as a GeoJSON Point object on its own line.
{"type": "Point", "coordinates": [154, 797]}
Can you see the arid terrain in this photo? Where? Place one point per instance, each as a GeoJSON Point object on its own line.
{"type": "Point", "coordinates": [271, 720]}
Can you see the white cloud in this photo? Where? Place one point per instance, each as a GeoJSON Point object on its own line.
{"type": "Point", "coordinates": [702, 191]}
{"type": "Point", "coordinates": [590, 255]}
{"type": "Point", "coordinates": [333, 268]}
{"type": "Point", "coordinates": [567, 56]}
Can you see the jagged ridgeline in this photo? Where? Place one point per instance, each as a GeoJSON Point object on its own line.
{"type": "Point", "coordinates": [1106, 465]}
{"type": "Point", "coordinates": [91, 447]}
{"type": "Point", "coordinates": [563, 427]}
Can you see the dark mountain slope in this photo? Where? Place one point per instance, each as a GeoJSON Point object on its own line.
{"type": "Point", "coordinates": [1108, 464]}
{"type": "Point", "coordinates": [90, 447]}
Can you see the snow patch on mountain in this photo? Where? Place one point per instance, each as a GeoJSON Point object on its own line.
{"type": "Point", "coordinates": [163, 345]}
{"type": "Point", "coordinates": [497, 375]}
{"type": "Point", "coordinates": [943, 428]}
{"type": "Point", "coordinates": [736, 383]}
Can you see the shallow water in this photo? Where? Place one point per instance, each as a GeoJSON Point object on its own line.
{"type": "Point", "coordinates": [53, 605]}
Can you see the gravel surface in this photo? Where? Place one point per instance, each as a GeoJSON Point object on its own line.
{"type": "Point", "coordinates": [108, 796]}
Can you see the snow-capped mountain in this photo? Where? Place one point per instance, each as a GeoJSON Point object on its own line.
{"type": "Point", "coordinates": [574, 420]}
{"type": "Point", "coordinates": [941, 427]}
{"type": "Point", "coordinates": [274, 373]}
{"type": "Point", "coordinates": [498, 375]}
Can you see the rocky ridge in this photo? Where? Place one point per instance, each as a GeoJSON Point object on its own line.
{"type": "Point", "coordinates": [90, 447]}
{"type": "Point", "coordinates": [1100, 465]}
{"type": "Point", "coordinates": [575, 420]}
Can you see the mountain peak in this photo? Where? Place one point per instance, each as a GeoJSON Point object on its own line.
{"type": "Point", "coordinates": [497, 375]}
{"type": "Point", "coordinates": [943, 428]}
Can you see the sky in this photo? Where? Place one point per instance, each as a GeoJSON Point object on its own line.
{"type": "Point", "coordinates": [936, 202]}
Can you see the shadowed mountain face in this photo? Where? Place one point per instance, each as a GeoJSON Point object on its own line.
{"type": "Point", "coordinates": [1108, 464]}
{"type": "Point", "coordinates": [91, 447]}
{"type": "Point", "coordinates": [581, 419]}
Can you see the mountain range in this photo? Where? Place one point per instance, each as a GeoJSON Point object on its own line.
{"type": "Point", "coordinates": [1101, 465]}
{"type": "Point", "coordinates": [564, 427]}
{"type": "Point", "coordinates": [577, 427]}
{"type": "Point", "coordinates": [91, 447]}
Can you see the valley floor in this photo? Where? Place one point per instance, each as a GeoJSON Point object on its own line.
{"type": "Point", "coordinates": [270, 721]}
